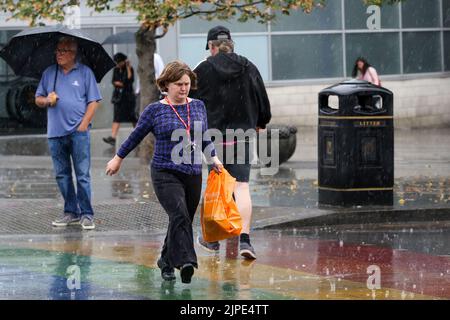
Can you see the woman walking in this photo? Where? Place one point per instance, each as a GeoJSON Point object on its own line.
{"type": "Point", "coordinates": [176, 185]}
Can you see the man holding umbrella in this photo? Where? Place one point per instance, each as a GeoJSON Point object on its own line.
{"type": "Point", "coordinates": [70, 93]}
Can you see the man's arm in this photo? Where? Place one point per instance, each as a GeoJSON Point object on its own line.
{"type": "Point", "coordinates": [43, 98]}
{"type": "Point", "coordinates": [48, 101]}
{"type": "Point", "coordinates": [42, 102]}
{"type": "Point", "coordinates": [91, 108]}
{"type": "Point", "coordinates": [93, 95]}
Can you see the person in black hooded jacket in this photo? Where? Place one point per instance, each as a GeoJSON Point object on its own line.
{"type": "Point", "coordinates": [235, 98]}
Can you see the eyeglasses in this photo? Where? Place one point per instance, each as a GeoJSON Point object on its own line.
{"type": "Point", "coordinates": [63, 51]}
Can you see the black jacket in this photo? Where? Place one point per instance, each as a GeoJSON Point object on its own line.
{"type": "Point", "coordinates": [233, 92]}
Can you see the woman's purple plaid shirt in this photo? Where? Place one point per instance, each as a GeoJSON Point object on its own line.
{"type": "Point", "coordinates": [161, 120]}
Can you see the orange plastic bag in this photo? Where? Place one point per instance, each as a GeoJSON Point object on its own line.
{"type": "Point", "coordinates": [220, 218]}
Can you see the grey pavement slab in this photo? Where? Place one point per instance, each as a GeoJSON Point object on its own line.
{"type": "Point", "coordinates": [29, 198]}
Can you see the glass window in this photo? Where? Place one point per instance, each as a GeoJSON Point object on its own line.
{"type": "Point", "coordinates": [356, 15]}
{"type": "Point", "coordinates": [382, 50]}
{"type": "Point", "coordinates": [306, 56]}
{"type": "Point", "coordinates": [254, 48]}
{"type": "Point", "coordinates": [420, 14]}
{"type": "Point", "coordinates": [104, 115]}
{"type": "Point", "coordinates": [97, 34]}
{"type": "Point", "coordinates": [447, 50]}
{"type": "Point", "coordinates": [421, 52]}
{"type": "Point", "coordinates": [326, 18]}
{"type": "Point", "coordinates": [446, 13]}
{"type": "Point", "coordinates": [192, 51]}
{"type": "Point", "coordinates": [195, 24]}
{"type": "Point", "coordinates": [128, 48]}
{"type": "Point", "coordinates": [6, 73]}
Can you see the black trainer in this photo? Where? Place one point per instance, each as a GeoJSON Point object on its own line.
{"type": "Point", "coordinates": [110, 140]}
{"type": "Point", "coordinates": [246, 250]}
{"type": "Point", "coordinates": [167, 273]}
{"type": "Point", "coordinates": [186, 272]}
{"type": "Point", "coordinates": [212, 247]}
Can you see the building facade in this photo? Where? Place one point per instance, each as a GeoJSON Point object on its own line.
{"type": "Point", "coordinates": [300, 54]}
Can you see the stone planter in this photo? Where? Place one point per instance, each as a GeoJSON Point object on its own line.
{"type": "Point", "coordinates": [287, 141]}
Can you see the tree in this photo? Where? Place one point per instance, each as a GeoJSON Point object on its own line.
{"type": "Point", "coordinates": [154, 15]}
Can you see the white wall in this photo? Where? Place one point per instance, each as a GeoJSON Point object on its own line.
{"type": "Point", "coordinates": [88, 18]}
{"type": "Point", "coordinates": [417, 103]}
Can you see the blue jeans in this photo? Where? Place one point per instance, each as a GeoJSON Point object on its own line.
{"type": "Point", "coordinates": [76, 147]}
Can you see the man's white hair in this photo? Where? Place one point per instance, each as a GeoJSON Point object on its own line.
{"type": "Point", "coordinates": [70, 41]}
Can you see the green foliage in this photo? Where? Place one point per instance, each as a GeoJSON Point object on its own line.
{"type": "Point", "coordinates": [163, 13]}
{"type": "Point", "coordinates": [381, 2]}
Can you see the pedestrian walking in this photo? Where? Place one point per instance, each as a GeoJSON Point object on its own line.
{"type": "Point", "coordinates": [123, 97]}
{"type": "Point", "coordinates": [70, 93]}
{"type": "Point", "coordinates": [177, 185]}
{"type": "Point", "coordinates": [235, 98]}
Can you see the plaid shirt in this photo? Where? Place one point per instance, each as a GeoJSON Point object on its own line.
{"type": "Point", "coordinates": [161, 120]}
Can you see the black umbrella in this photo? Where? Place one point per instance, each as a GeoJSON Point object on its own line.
{"type": "Point", "coordinates": [31, 51]}
{"type": "Point", "coordinates": [121, 38]}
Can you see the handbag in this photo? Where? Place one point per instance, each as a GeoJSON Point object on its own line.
{"type": "Point", "coordinates": [220, 217]}
{"type": "Point", "coordinates": [117, 95]}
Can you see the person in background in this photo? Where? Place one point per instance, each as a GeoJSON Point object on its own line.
{"type": "Point", "coordinates": [362, 70]}
{"type": "Point", "coordinates": [235, 98]}
{"type": "Point", "coordinates": [123, 97]}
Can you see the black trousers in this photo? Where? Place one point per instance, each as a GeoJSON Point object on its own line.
{"type": "Point", "coordinates": [179, 195]}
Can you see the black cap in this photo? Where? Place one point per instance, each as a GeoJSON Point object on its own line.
{"type": "Point", "coordinates": [119, 57]}
{"type": "Point", "coordinates": [218, 33]}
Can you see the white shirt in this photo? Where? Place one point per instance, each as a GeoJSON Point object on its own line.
{"type": "Point", "coordinates": [159, 67]}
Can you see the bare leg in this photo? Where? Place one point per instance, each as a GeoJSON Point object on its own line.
{"type": "Point", "coordinates": [244, 204]}
{"type": "Point", "coordinates": [115, 129]}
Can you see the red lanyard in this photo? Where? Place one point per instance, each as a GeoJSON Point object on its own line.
{"type": "Point", "coordinates": [188, 126]}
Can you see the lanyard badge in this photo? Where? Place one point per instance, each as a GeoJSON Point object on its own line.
{"type": "Point", "coordinates": [190, 146]}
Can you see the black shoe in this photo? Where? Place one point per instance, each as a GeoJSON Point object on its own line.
{"type": "Point", "coordinates": [110, 140]}
{"type": "Point", "coordinates": [167, 273]}
{"type": "Point", "coordinates": [246, 250]}
{"type": "Point", "coordinates": [212, 247]}
{"type": "Point", "coordinates": [186, 272]}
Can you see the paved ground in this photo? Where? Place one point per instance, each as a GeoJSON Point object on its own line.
{"type": "Point", "coordinates": [292, 264]}
{"type": "Point", "coordinates": [305, 250]}
{"type": "Point", "coordinates": [27, 186]}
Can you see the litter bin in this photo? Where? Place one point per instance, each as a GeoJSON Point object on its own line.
{"type": "Point", "coordinates": [356, 145]}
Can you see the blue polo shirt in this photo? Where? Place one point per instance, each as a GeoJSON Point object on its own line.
{"type": "Point", "coordinates": [75, 90]}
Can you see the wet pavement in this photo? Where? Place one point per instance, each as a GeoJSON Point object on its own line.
{"type": "Point", "coordinates": [305, 250]}
{"type": "Point", "coordinates": [291, 264]}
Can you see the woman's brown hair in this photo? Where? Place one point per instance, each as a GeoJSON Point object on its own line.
{"type": "Point", "coordinates": [173, 72]}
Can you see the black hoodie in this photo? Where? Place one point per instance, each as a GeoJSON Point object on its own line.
{"type": "Point", "coordinates": [233, 92]}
